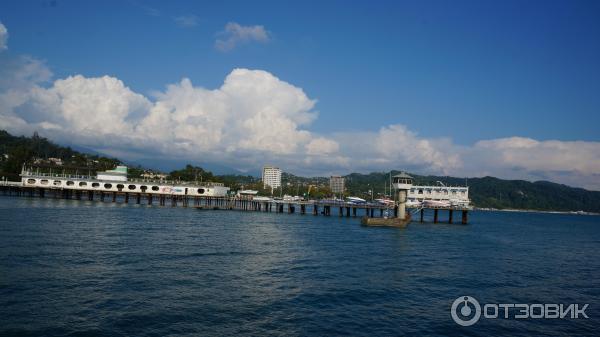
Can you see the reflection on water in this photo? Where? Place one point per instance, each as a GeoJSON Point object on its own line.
{"type": "Point", "coordinates": [81, 267]}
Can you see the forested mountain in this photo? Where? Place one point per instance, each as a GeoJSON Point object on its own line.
{"type": "Point", "coordinates": [35, 150]}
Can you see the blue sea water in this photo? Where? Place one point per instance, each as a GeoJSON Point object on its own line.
{"type": "Point", "coordinates": [79, 268]}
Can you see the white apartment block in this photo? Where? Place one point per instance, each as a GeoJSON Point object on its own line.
{"type": "Point", "coordinates": [271, 177]}
{"type": "Point", "coordinates": [337, 184]}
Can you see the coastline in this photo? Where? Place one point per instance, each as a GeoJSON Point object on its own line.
{"type": "Point", "coordinates": [485, 209]}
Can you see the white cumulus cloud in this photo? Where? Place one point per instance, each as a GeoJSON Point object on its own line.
{"type": "Point", "coordinates": [3, 37]}
{"type": "Point", "coordinates": [236, 34]}
{"type": "Point", "coordinates": [255, 118]}
{"type": "Point", "coordinates": [251, 117]}
{"type": "Point", "coordinates": [252, 111]}
{"type": "Point", "coordinates": [575, 163]}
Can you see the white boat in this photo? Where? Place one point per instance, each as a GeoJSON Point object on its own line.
{"type": "Point", "coordinates": [385, 201]}
{"type": "Point", "coordinates": [247, 193]}
{"type": "Point", "coordinates": [262, 199]}
{"type": "Point", "coordinates": [436, 203]}
{"type": "Point", "coordinates": [291, 198]}
{"type": "Point", "coordinates": [355, 200]}
{"type": "Point", "coordinates": [414, 203]}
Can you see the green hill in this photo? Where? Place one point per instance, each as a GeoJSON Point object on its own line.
{"type": "Point", "coordinates": [35, 150]}
{"type": "Point", "coordinates": [488, 192]}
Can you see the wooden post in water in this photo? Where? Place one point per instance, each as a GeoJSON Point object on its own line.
{"type": "Point", "coordinates": [435, 215]}
{"type": "Point", "coordinates": [450, 216]}
{"type": "Point", "coordinates": [422, 211]}
{"type": "Point", "coordinates": [464, 217]}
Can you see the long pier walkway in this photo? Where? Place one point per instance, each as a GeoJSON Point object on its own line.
{"type": "Point", "coordinates": [316, 207]}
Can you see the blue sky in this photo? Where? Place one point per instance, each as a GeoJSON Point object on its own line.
{"type": "Point", "coordinates": [467, 71]}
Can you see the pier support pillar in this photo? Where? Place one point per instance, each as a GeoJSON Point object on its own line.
{"type": "Point", "coordinates": [138, 198]}
{"type": "Point", "coordinates": [354, 212]}
{"type": "Point", "coordinates": [149, 196]}
{"type": "Point", "coordinates": [126, 198]}
{"type": "Point", "coordinates": [315, 210]}
{"type": "Point", "coordinates": [449, 216]}
{"type": "Point", "coordinates": [464, 217]}
{"type": "Point", "coordinates": [435, 215]}
{"type": "Point", "coordinates": [303, 209]}
{"type": "Point", "coordinates": [341, 211]}
{"type": "Point", "coordinates": [114, 198]}
{"type": "Point", "coordinates": [101, 196]}
{"type": "Point", "coordinates": [348, 211]}
{"type": "Point", "coordinates": [422, 211]}
{"type": "Point", "coordinates": [291, 208]}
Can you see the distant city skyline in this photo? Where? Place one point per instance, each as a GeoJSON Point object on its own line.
{"type": "Point", "coordinates": [462, 88]}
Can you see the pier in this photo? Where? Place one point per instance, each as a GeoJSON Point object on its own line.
{"type": "Point", "coordinates": [157, 198]}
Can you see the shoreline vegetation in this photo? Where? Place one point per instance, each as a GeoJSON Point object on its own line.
{"type": "Point", "coordinates": [486, 193]}
{"type": "Point", "coordinates": [484, 209]}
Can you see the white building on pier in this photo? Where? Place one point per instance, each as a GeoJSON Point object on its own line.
{"type": "Point", "coordinates": [116, 181]}
{"type": "Point", "coordinates": [458, 195]}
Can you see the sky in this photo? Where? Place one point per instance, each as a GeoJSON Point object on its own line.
{"type": "Point", "coordinates": [464, 88]}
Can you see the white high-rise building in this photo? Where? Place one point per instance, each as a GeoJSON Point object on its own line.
{"type": "Point", "coordinates": [337, 184]}
{"type": "Point", "coordinates": [271, 177]}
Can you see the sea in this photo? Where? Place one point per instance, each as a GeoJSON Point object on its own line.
{"type": "Point", "coordinates": [91, 268]}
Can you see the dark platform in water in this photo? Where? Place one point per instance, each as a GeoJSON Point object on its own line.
{"type": "Point", "coordinates": [383, 222]}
